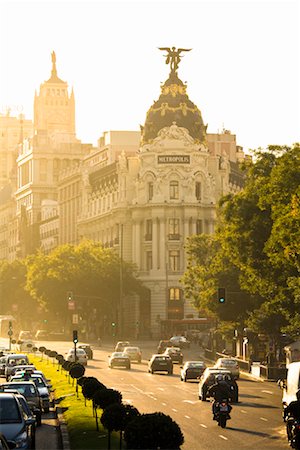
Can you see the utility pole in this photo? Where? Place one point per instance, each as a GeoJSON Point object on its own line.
{"type": "Point", "coordinates": [121, 318]}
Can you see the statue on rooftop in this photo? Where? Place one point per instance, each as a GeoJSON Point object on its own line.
{"type": "Point", "coordinates": [173, 56]}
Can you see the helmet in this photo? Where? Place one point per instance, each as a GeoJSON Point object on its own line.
{"type": "Point", "coordinates": [298, 395]}
{"type": "Point", "coordinates": [219, 378]}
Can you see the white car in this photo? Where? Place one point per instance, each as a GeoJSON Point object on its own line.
{"type": "Point", "coordinates": [81, 356]}
{"type": "Point", "coordinates": [228, 364]}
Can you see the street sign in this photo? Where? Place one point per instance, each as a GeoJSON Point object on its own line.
{"type": "Point", "coordinates": [71, 305]}
{"type": "Point", "coordinates": [10, 332]}
{"type": "Point", "coordinates": [75, 318]}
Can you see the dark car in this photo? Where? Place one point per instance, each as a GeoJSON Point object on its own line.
{"type": "Point", "coordinates": [192, 370]}
{"type": "Point", "coordinates": [175, 354]}
{"type": "Point", "coordinates": [29, 390]}
{"type": "Point", "coordinates": [119, 359]}
{"type": "Point", "coordinates": [179, 341]}
{"type": "Point", "coordinates": [5, 444]}
{"type": "Point", "coordinates": [160, 363]}
{"type": "Point", "coordinates": [15, 425]}
{"type": "Point", "coordinates": [162, 346]}
{"type": "Point", "coordinates": [88, 350]}
{"type": "Point", "coordinates": [208, 378]}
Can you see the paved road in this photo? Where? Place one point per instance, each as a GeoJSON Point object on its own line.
{"type": "Point", "coordinates": [256, 420]}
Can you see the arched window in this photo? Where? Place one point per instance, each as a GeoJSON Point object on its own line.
{"type": "Point", "coordinates": [174, 190]}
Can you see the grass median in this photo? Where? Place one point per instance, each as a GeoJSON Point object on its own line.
{"type": "Point", "coordinates": [79, 418]}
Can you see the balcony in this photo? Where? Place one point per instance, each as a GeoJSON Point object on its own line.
{"type": "Point", "coordinates": [174, 237]}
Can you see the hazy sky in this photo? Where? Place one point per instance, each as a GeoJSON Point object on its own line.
{"type": "Point", "coordinates": [243, 72]}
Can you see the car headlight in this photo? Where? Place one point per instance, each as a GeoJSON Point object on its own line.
{"type": "Point", "coordinates": [21, 440]}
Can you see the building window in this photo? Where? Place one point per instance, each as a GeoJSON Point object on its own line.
{"type": "Point", "coordinates": [174, 229]}
{"type": "Point", "coordinates": [198, 190]}
{"type": "Point", "coordinates": [150, 190]}
{"type": "Point", "coordinates": [174, 190]}
{"type": "Point", "coordinates": [174, 294]}
{"type": "Point", "coordinates": [199, 226]}
{"type": "Point", "coordinates": [148, 236]}
{"type": "Point", "coordinates": [174, 260]}
{"type": "Point", "coordinates": [149, 260]}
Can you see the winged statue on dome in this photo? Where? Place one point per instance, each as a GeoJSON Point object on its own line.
{"type": "Point", "coordinates": [173, 57]}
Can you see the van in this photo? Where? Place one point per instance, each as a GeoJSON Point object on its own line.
{"type": "Point", "coordinates": [13, 360]}
{"type": "Point", "coordinates": [292, 384]}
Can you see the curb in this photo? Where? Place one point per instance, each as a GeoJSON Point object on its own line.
{"type": "Point", "coordinates": [62, 424]}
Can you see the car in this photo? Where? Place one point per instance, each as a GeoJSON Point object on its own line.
{"type": "Point", "coordinates": [175, 354]}
{"type": "Point", "coordinates": [180, 341]}
{"type": "Point", "coordinates": [29, 413]}
{"type": "Point", "coordinates": [163, 345]}
{"type": "Point", "coordinates": [121, 345]}
{"type": "Point", "coordinates": [21, 368]}
{"type": "Point", "coordinates": [25, 335]}
{"type": "Point", "coordinates": [88, 350]}
{"type": "Point", "coordinates": [12, 360]}
{"type": "Point", "coordinates": [15, 425]}
{"type": "Point", "coordinates": [134, 353]}
{"type": "Point", "coordinates": [192, 370]}
{"type": "Point", "coordinates": [42, 335]}
{"type": "Point", "coordinates": [81, 356]}
{"type": "Point", "coordinates": [208, 378]}
{"type": "Point", "coordinates": [119, 359]}
{"type": "Point", "coordinates": [2, 365]}
{"type": "Point", "coordinates": [5, 444]}
{"type": "Point", "coordinates": [29, 390]}
{"type": "Point", "coordinates": [228, 364]}
{"type": "Point", "coordinates": [40, 384]}
{"type": "Point", "coordinates": [160, 363]}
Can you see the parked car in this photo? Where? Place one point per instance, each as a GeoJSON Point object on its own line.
{"type": "Point", "coordinates": [12, 360]}
{"type": "Point", "coordinates": [25, 335]}
{"type": "Point", "coordinates": [15, 425]}
{"type": "Point", "coordinates": [163, 345]}
{"type": "Point", "coordinates": [81, 356]}
{"type": "Point", "coordinates": [40, 384]}
{"type": "Point", "coordinates": [134, 353]}
{"type": "Point", "coordinates": [5, 444]}
{"type": "Point", "coordinates": [208, 378]}
{"type": "Point", "coordinates": [175, 354]}
{"type": "Point", "coordinates": [21, 368]}
{"type": "Point", "coordinates": [42, 335]}
{"type": "Point", "coordinates": [180, 341]}
{"type": "Point", "coordinates": [192, 370]}
{"type": "Point", "coordinates": [119, 359]}
{"type": "Point", "coordinates": [228, 364]}
{"type": "Point", "coordinates": [88, 350]}
{"type": "Point", "coordinates": [160, 363]}
{"type": "Point", "coordinates": [30, 392]}
{"type": "Point", "coordinates": [121, 345]}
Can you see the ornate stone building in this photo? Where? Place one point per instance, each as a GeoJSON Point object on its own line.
{"type": "Point", "coordinates": [146, 204]}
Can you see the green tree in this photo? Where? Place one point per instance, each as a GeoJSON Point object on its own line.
{"type": "Point", "coordinates": [88, 270]}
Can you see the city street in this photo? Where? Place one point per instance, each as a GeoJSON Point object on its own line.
{"type": "Point", "coordinates": [256, 419]}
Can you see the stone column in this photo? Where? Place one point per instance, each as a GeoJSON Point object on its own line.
{"type": "Point", "coordinates": [155, 243]}
{"type": "Point", "coordinates": [138, 243]}
{"type": "Point", "coordinates": [162, 244]}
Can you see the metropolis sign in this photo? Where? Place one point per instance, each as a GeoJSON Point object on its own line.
{"type": "Point", "coordinates": [173, 159]}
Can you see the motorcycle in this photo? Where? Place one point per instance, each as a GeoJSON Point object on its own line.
{"type": "Point", "coordinates": [222, 412]}
{"type": "Point", "coordinates": [295, 434]}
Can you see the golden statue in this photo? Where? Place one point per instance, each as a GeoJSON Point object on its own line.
{"type": "Point", "coordinates": [173, 56]}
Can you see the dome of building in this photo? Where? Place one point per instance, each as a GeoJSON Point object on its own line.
{"type": "Point", "coordinates": [172, 106]}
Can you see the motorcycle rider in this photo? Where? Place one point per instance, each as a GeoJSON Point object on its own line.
{"type": "Point", "coordinates": [219, 391]}
{"type": "Point", "coordinates": [292, 413]}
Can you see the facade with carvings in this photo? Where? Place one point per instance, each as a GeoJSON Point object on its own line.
{"type": "Point", "coordinates": [146, 203]}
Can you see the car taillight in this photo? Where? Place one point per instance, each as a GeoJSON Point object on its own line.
{"type": "Point", "coordinates": [297, 426]}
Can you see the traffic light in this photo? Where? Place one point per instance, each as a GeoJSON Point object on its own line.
{"type": "Point", "coordinates": [75, 336]}
{"type": "Point", "coordinates": [10, 324]}
{"type": "Point", "coordinates": [70, 296]}
{"type": "Point", "coordinates": [221, 295]}
{"type": "Point", "coordinates": [113, 326]}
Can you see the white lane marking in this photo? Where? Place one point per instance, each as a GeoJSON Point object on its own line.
{"type": "Point", "coordinates": [160, 389]}
{"type": "Point", "coordinates": [223, 437]}
{"type": "Point", "coordinates": [267, 392]}
{"type": "Point", "coordinates": [202, 425]}
{"type": "Point", "coordinates": [173, 409]}
{"type": "Point", "coordinates": [153, 398]}
{"type": "Point", "coordinates": [187, 417]}
{"type": "Point", "coordinates": [164, 404]}
{"type": "Point", "coordinates": [243, 411]}
{"type": "Point", "coordinates": [127, 401]}
{"type": "Point", "coordinates": [263, 418]}
{"type": "Point", "coordinates": [192, 402]}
